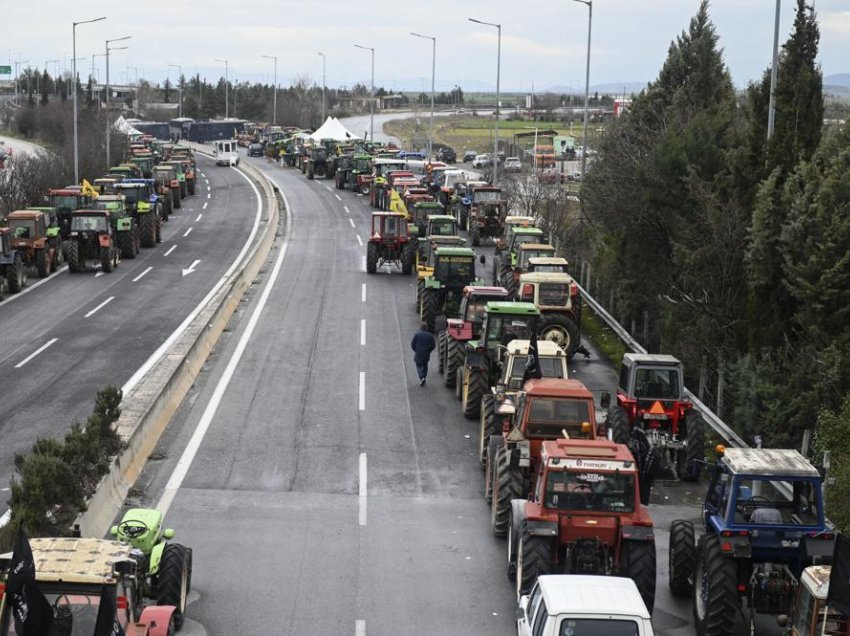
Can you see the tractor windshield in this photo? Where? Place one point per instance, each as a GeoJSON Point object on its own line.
{"type": "Point", "coordinates": [597, 627]}
{"type": "Point", "coordinates": [131, 195]}
{"type": "Point", "coordinates": [501, 329]}
{"type": "Point", "coordinates": [455, 269]}
{"type": "Point", "coordinates": [549, 417]}
{"type": "Point", "coordinates": [486, 196]}
{"type": "Point", "coordinates": [776, 501]}
{"type": "Point", "coordinates": [554, 294]}
{"type": "Point", "coordinates": [550, 368]}
{"type": "Point", "coordinates": [442, 228]}
{"type": "Point", "coordinates": [89, 223]}
{"type": "Point", "coordinates": [658, 383]}
{"type": "Point", "coordinates": [74, 612]}
{"type": "Point", "coordinates": [590, 490]}
{"type": "Point", "coordinates": [22, 228]}
{"type": "Point", "coordinates": [64, 201]}
{"type": "Point", "coordinates": [363, 165]}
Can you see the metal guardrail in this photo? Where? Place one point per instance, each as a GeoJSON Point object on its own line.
{"type": "Point", "coordinates": [722, 429]}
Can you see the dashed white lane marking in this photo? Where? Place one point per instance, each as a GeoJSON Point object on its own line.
{"type": "Point", "coordinates": [209, 195]}
{"type": "Point", "coordinates": [362, 397]}
{"type": "Point", "coordinates": [100, 306]}
{"type": "Point", "coordinates": [170, 249]}
{"type": "Point", "coordinates": [185, 461]}
{"type": "Point", "coordinates": [6, 517]}
{"type": "Point", "coordinates": [36, 352]}
{"type": "Point", "coordinates": [363, 293]}
{"type": "Point", "coordinates": [199, 217]}
{"type": "Point", "coordinates": [139, 277]}
{"type": "Point", "coordinates": [351, 221]}
{"type": "Point", "coordinates": [347, 211]}
{"type": "Point", "coordinates": [187, 232]}
{"type": "Point", "coordinates": [98, 275]}
{"type": "Point", "coordinates": [364, 263]}
{"type": "Point", "coordinates": [328, 188]}
{"type": "Point", "coordinates": [363, 332]}
{"type": "Point", "coordinates": [359, 628]}
{"type": "Point", "coordinates": [360, 240]}
{"type": "Point", "coordinates": [204, 206]}
{"type": "Point", "coordinates": [362, 491]}
{"type": "Point", "coordinates": [338, 198]}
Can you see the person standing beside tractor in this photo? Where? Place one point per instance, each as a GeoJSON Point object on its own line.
{"type": "Point", "coordinates": [423, 344]}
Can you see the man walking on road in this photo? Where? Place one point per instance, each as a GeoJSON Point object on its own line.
{"type": "Point", "coordinates": [422, 344]}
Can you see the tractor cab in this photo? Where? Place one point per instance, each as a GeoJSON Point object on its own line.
{"type": "Point", "coordinates": [67, 201]}
{"type": "Point", "coordinates": [419, 213]}
{"type": "Point", "coordinates": [440, 283]}
{"type": "Point", "coordinates": [649, 378]}
{"type": "Point", "coordinates": [811, 615]}
{"type": "Point", "coordinates": [105, 185]}
{"type": "Point", "coordinates": [389, 242]}
{"type": "Point", "coordinates": [136, 193]}
{"type": "Point", "coordinates": [90, 221]}
{"type": "Point", "coordinates": [388, 226]}
{"type": "Point", "coordinates": [552, 360]}
{"type": "Point", "coordinates": [547, 264]}
{"type": "Point", "coordinates": [505, 322]}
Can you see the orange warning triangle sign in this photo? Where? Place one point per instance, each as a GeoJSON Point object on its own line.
{"type": "Point", "coordinates": [657, 408]}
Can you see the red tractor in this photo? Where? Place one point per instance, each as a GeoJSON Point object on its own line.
{"type": "Point", "coordinates": [584, 516]}
{"type": "Point", "coordinates": [390, 243]}
{"type": "Point", "coordinates": [547, 408]}
{"type": "Point", "coordinates": [652, 411]}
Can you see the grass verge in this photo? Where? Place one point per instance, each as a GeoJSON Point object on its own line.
{"type": "Point", "coordinates": [602, 336]}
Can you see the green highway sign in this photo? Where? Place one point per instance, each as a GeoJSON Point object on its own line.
{"type": "Point", "coordinates": [5, 70]}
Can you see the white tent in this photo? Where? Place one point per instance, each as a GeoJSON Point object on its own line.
{"type": "Point", "coordinates": [332, 129]}
{"type": "Point", "coordinates": [123, 126]}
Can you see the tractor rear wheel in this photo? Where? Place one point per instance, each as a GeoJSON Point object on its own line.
{"type": "Point", "coordinates": [311, 172]}
{"type": "Point", "coordinates": [420, 290]}
{"type": "Point", "coordinates": [463, 220]}
{"type": "Point", "coordinates": [72, 255]}
{"type": "Point", "coordinates": [172, 586]}
{"type": "Point", "coordinates": [371, 258]}
{"type": "Point", "coordinates": [454, 360]}
{"type": "Point", "coordinates": [126, 244]}
{"type": "Point", "coordinates": [16, 274]}
{"type": "Point", "coordinates": [475, 235]}
{"type": "Point", "coordinates": [408, 258]}
{"type": "Point", "coordinates": [175, 199]}
{"type": "Point", "coordinates": [147, 224]}
{"type": "Point", "coordinates": [494, 443]}
{"type": "Point", "coordinates": [506, 487]}
{"type": "Point", "coordinates": [364, 189]}
{"type": "Point", "coordinates": [459, 373]}
{"type": "Point", "coordinates": [474, 386]}
{"type": "Point", "coordinates": [430, 308]}
{"type": "Point", "coordinates": [158, 225]}
{"type": "Point", "coordinates": [638, 563]}
{"type": "Point", "coordinates": [562, 330]}
{"type": "Point", "coordinates": [488, 425]}
{"type": "Point", "coordinates": [689, 458]}
{"type": "Point", "coordinates": [42, 262]}
{"type": "Point", "coordinates": [441, 351]}
{"type": "Point", "coordinates": [166, 208]}
{"type": "Point", "coordinates": [715, 589]}
{"type": "Point", "coordinates": [533, 559]}
{"type": "Point", "coordinates": [681, 557]}
{"type": "Point", "coordinates": [618, 423]}
{"type": "Point", "coordinates": [106, 259]}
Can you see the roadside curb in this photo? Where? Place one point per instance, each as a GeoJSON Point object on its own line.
{"type": "Point", "coordinates": [149, 406]}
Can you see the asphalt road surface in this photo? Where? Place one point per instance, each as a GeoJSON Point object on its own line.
{"type": "Point", "coordinates": [68, 336]}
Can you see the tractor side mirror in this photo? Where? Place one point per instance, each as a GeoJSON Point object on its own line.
{"type": "Point", "coordinates": [605, 400]}
{"type": "Point", "coordinates": [168, 533]}
{"type": "Point", "coordinates": [483, 259]}
{"type": "Point", "coordinates": [114, 531]}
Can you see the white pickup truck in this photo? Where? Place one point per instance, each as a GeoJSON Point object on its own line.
{"type": "Point", "coordinates": [583, 605]}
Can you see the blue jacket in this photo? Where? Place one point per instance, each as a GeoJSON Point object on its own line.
{"type": "Point", "coordinates": [422, 344]}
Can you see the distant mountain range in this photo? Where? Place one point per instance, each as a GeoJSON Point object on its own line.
{"type": "Point", "coordinates": [838, 79]}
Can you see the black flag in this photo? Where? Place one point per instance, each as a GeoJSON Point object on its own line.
{"type": "Point", "coordinates": [106, 624]}
{"type": "Point", "coordinates": [30, 609]}
{"type": "Point", "coordinates": [839, 579]}
{"type": "Point", "coordinates": [532, 366]}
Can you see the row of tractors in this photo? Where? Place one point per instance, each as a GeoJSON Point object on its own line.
{"type": "Point", "coordinates": [568, 485]}
{"type": "Point", "coordinates": [98, 223]}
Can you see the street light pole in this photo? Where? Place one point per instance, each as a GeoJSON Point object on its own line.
{"type": "Point", "coordinates": [433, 70]}
{"type": "Point", "coordinates": [179, 68]}
{"type": "Point", "coordinates": [74, 83]}
{"type": "Point", "coordinates": [589, 4]}
{"type": "Point", "coordinates": [498, 75]}
{"type": "Point", "coordinates": [226, 88]}
{"type": "Point", "coordinates": [372, 94]}
{"type": "Point", "coordinates": [274, 99]}
{"type": "Point", "coordinates": [106, 107]}
{"type": "Point", "coordinates": [324, 109]}
{"type": "Point", "coordinates": [774, 70]}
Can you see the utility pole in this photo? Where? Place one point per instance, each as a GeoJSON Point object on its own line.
{"type": "Point", "coordinates": [179, 68]}
{"type": "Point", "coordinates": [324, 109]}
{"type": "Point", "coordinates": [589, 4]}
{"type": "Point", "coordinates": [108, 116]}
{"type": "Point", "coordinates": [774, 71]}
{"type": "Point", "coordinates": [226, 88]}
{"type": "Point", "coordinates": [498, 75]}
{"type": "Point", "coordinates": [433, 71]}
{"type": "Point", "coordinates": [74, 83]}
{"type": "Point", "coordinates": [274, 99]}
{"type": "Point", "coordinates": [372, 94]}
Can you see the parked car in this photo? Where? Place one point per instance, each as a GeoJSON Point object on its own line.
{"type": "Point", "coordinates": [469, 155]}
{"type": "Point", "coordinates": [482, 161]}
{"type": "Point", "coordinates": [446, 155]}
{"type": "Point", "coordinates": [513, 164]}
{"type": "Point", "coordinates": [255, 150]}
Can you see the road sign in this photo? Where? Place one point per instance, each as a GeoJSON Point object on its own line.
{"type": "Point", "coordinates": [5, 70]}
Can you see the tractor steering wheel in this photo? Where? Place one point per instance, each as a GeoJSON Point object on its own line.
{"type": "Point", "coordinates": [133, 528]}
{"type": "Point", "coordinates": [756, 501]}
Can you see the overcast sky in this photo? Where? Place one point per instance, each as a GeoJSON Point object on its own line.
{"type": "Point", "coordinates": [543, 41]}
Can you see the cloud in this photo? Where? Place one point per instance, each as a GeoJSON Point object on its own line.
{"type": "Point", "coordinates": [835, 23]}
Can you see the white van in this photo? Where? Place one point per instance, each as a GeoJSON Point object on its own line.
{"type": "Point", "coordinates": [226, 152]}
{"type": "Point", "coordinates": [583, 604]}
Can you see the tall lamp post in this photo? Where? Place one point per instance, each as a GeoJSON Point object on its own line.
{"type": "Point", "coordinates": [498, 75]}
{"type": "Point", "coordinates": [324, 109]}
{"type": "Point", "coordinates": [774, 69]}
{"type": "Point", "coordinates": [433, 69]}
{"type": "Point", "coordinates": [74, 83]}
{"type": "Point", "coordinates": [46, 89]}
{"type": "Point", "coordinates": [108, 117]}
{"type": "Point", "coordinates": [274, 99]}
{"type": "Point", "coordinates": [179, 68]}
{"type": "Point", "coordinates": [372, 94]}
{"type": "Point", "coordinates": [226, 89]}
{"type": "Point", "coordinates": [589, 4]}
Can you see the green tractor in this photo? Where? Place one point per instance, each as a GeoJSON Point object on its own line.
{"type": "Point", "coordinates": [316, 164]}
{"type": "Point", "coordinates": [143, 204]}
{"type": "Point", "coordinates": [166, 567]}
{"type": "Point", "coordinates": [127, 236]}
{"type": "Point", "coordinates": [342, 166]}
{"type": "Point", "coordinates": [484, 356]}
{"type": "Point", "coordinates": [440, 284]}
{"type": "Point", "coordinates": [360, 177]}
{"type": "Point", "coordinates": [441, 229]}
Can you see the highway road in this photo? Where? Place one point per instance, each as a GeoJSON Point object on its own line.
{"type": "Point", "coordinates": [67, 336]}
{"type": "Point", "coordinates": [322, 489]}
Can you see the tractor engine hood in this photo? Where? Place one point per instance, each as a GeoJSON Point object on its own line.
{"type": "Point", "coordinates": [574, 527]}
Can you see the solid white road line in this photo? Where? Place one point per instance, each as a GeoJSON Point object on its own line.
{"type": "Point", "coordinates": [359, 628]}
{"type": "Point", "coordinates": [187, 232]}
{"type": "Point", "coordinates": [139, 277]}
{"type": "Point", "coordinates": [338, 198]}
{"type": "Point", "coordinates": [363, 332]}
{"type": "Point", "coordinates": [100, 306]}
{"type": "Point", "coordinates": [200, 216]}
{"type": "Point", "coordinates": [362, 397]}
{"type": "Point", "coordinates": [36, 352]}
{"type": "Point", "coordinates": [204, 206]}
{"type": "Point", "coordinates": [347, 211]}
{"type": "Point", "coordinates": [170, 249]}
{"type": "Point", "coordinates": [156, 355]}
{"type": "Point", "coordinates": [363, 293]}
{"type": "Point", "coordinates": [362, 490]}
{"type": "Point", "coordinates": [351, 221]}
{"type": "Point", "coordinates": [26, 290]}
{"type": "Point", "coordinates": [185, 461]}
{"type": "Point", "coordinates": [360, 240]}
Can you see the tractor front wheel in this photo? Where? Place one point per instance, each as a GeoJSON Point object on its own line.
{"type": "Point", "coordinates": [371, 258]}
{"type": "Point", "coordinates": [42, 262]}
{"type": "Point", "coordinates": [715, 589]}
{"type": "Point", "coordinates": [533, 559]}
{"type": "Point", "coordinates": [454, 360]}
{"type": "Point", "coordinates": [494, 443]}
{"type": "Point", "coordinates": [639, 565]}
{"type": "Point", "coordinates": [175, 199]}
{"type": "Point", "coordinates": [106, 259]}
{"type": "Point", "coordinates": [618, 423]}
{"type": "Point", "coordinates": [172, 586]}
{"type": "Point", "coordinates": [488, 425]}
{"type": "Point", "coordinates": [506, 487]}
{"type": "Point", "coordinates": [72, 255]}
{"type": "Point", "coordinates": [148, 229]}
{"type": "Point", "coordinates": [126, 244]}
{"type": "Point", "coordinates": [689, 458]}
{"type": "Point", "coordinates": [474, 386]}
{"type": "Point", "coordinates": [430, 308]}
{"type": "Point", "coordinates": [408, 258]}
{"type": "Point", "coordinates": [311, 172]}
{"type": "Point", "coordinates": [475, 235]}
{"type": "Point", "coordinates": [16, 274]}
{"type": "Point", "coordinates": [562, 330]}
{"type": "Point", "coordinates": [681, 557]}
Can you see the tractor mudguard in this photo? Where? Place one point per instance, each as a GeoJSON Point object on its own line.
{"type": "Point", "coordinates": [458, 329]}
{"type": "Point", "coordinates": [142, 207]}
{"type": "Point", "coordinates": [637, 533]}
{"type": "Point", "coordinates": [160, 615]}
{"type": "Point", "coordinates": [104, 240]}
{"type": "Point", "coordinates": [52, 232]}
{"type": "Point", "coordinates": [156, 556]}
{"type": "Point", "coordinates": [125, 224]}
{"type": "Point", "coordinates": [541, 528]}
{"type": "Point", "coordinates": [476, 361]}
{"type": "Point", "coordinates": [432, 283]}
